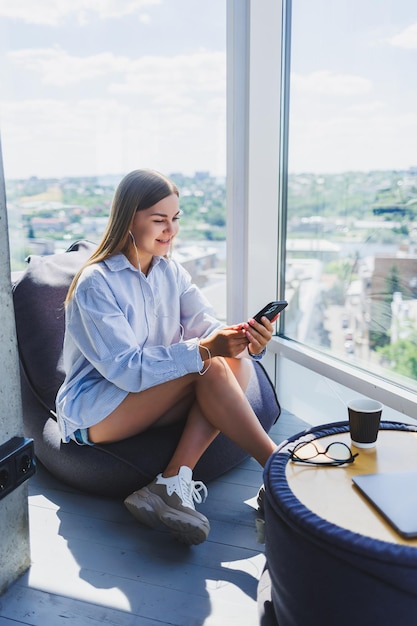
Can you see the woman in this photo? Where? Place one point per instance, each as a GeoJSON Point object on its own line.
{"type": "Point", "coordinates": [142, 349]}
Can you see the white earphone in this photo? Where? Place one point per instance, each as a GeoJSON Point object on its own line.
{"type": "Point", "coordinates": [136, 248]}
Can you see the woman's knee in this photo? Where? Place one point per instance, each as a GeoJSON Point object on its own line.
{"type": "Point", "coordinates": [242, 369]}
{"type": "Point", "coordinates": [222, 367]}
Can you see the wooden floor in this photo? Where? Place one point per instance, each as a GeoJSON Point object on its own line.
{"type": "Point", "coordinates": [93, 564]}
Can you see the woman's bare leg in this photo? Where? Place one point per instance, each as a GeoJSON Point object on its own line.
{"type": "Point", "coordinates": [228, 412]}
{"type": "Point", "coordinates": [216, 402]}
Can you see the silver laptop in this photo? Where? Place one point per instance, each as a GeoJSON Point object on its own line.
{"type": "Point", "coordinates": [395, 496]}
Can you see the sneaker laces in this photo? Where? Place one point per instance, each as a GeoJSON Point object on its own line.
{"type": "Point", "coordinates": [192, 490]}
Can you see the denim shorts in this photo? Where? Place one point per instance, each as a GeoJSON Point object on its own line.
{"type": "Point", "coordinates": [80, 436]}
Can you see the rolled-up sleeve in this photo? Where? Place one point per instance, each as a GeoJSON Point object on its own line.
{"type": "Point", "coordinates": [104, 336]}
{"type": "Point", "coordinates": [197, 315]}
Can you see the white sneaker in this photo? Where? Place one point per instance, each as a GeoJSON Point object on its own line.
{"type": "Point", "coordinates": [171, 501]}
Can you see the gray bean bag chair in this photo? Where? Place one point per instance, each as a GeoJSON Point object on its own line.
{"type": "Point", "coordinates": [117, 469]}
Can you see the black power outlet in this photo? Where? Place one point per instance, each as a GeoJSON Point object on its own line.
{"type": "Point", "coordinates": [17, 463]}
{"type": "Point", "coordinates": [6, 479]}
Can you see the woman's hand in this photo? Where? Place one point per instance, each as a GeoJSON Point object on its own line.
{"type": "Point", "coordinates": [229, 341]}
{"type": "Point", "coordinates": [258, 334]}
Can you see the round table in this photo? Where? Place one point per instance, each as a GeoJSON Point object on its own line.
{"type": "Point", "coordinates": [331, 557]}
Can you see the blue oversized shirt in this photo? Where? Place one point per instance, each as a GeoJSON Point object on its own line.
{"type": "Point", "coordinates": [126, 332]}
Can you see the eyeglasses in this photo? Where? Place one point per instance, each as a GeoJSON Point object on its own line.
{"type": "Point", "coordinates": [336, 453]}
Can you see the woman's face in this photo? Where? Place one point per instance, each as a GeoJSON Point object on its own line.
{"type": "Point", "coordinates": [155, 228]}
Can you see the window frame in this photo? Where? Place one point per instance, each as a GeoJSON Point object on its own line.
{"type": "Point", "coordinates": [252, 181]}
{"type": "Point", "coordinates": [257, 122]}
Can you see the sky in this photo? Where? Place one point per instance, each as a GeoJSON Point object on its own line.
{"type": "Point", "coordinates": [353, 98]}
{"type": "Point", "coordinates": [93, 87]}
{"type": "Point", "coordinates": [105, 86]}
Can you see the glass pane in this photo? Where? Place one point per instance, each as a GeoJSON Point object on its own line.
{"type": "Point", "coordinates": [352, 187]}
{"type": "Point", "coordinates": [91, 91]}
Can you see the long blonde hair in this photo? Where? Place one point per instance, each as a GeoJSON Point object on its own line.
{"type": "Point", "coordinates": [137, 191]}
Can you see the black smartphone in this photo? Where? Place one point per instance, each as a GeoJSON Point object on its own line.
{"type": "Point", "coordinates": [271, 310]}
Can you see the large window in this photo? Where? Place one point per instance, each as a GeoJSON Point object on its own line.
{"type": "Point", "coordinates": [92, 90]}
{"type": "Point", "coordinates": [351, 243]}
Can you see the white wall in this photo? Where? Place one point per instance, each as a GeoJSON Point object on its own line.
{"type": "Point", "coordinates": [318, 399]}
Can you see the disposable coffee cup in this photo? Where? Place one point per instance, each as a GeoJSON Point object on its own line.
{"type": "Point", "coordinates": [364, 420]}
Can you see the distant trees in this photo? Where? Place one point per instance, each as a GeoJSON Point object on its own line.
{"type": "Point", "coordinates": [401, 356]}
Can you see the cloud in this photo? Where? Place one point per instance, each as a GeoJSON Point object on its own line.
{"type": "Point", "coordinates": [201, 72]}
{"type": "Point", "coordinates": [407, 38]}
{"type": "Point", "coordinates": [50, 137]}
{"type": "Point", "coordinates": [59, 68]}
{"type": "Point", "coordinates": [366, 108]}
{"type": "Point", "coordinates": [155, 77]}
{"type": "Point", "coordinates": [118, 112]}
{"type": "Point", "coordinates": [324, 82]}
{"type": "Point", "coordinates": [54, 12]}
{"type": "Point", "coordinates": [346, 142]}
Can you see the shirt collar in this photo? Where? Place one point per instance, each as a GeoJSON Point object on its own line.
{"type": "Point", "coordinates": [119, 262]}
